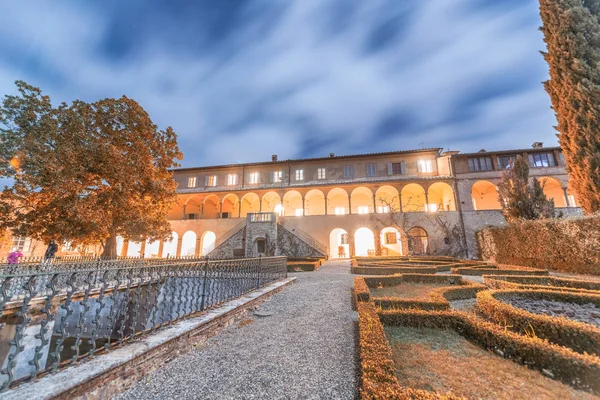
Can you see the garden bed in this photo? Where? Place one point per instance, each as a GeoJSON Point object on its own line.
{"type": "Point", "coordinates": [540, 282]}
{"type": "Point", "coordinates": [486, 270]}
{"type": "Point", "coordinates": [306, 266]}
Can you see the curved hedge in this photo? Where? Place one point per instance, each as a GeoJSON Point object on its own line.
{"type": "Point", "coordinates": [581, 337]}
{"type": "Point", "coordinates": [539, 282]}
{"type": "Point", "coordinates": [479, 271]}
{"type": "Point", "coordinates": [392, 270]}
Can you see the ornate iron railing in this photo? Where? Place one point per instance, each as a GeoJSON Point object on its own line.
{"type": "Point", "coordinates": [51, 320]}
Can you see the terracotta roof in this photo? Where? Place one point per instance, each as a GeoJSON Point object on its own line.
{"type": "Point", "coordinates": [529, 150]}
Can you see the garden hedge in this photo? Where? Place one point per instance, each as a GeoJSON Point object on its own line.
{"type": "Point", "coordinates": [392, 270]}
{"type": "Point", "coordinates": [568, 245]}
{"type": "Point", "coordinates": [578, 370]}
{"type": "Point", "coordinates": [479, 271]}
{"type": "Point", "coordinates": [306, 266]}
{"type": "Point", "coordinates": [575, 335]}
{"type": "Point", "coordinates": [539, 282]}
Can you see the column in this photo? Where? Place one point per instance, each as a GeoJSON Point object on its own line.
{"type": "Point", "coordinates": [567, 202]}
{"type": "Point", "coordinates": [351, 246]}
{"type": "Point", "coordinates": [179, 244]}
{"type": "Point", "coordinates": [202, 211]}
{"type": "Point", "coordinates": [220, 210]}
{"type": "Point", "coordinates": [303, 207]}
{"type": "Point", "coordinates": [426, 200]}
{"type": "Point", "coordinates": [377, 243]}
{"type": "Point", "coordinates": [374, 205]}
{"type": "Point", "coordinates": [400, 201]}
{"type": "Point", "coordinates": [161, 246]}
{"type": "Point", "coordinates": [326, 205]}
{"type": "Point", "coordinates": [184, 211]}
{"type": "Point", "coordinates": [350, 205]}
{"type": "Point", "coordinates": [198, 243]}
{"type": "Point", "coordinates": [125, 248]}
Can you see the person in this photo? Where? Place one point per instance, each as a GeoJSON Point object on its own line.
{"type": "Point", "coordinates": [50, 252]}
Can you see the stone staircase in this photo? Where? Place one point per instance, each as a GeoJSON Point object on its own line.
{"type": "Point", "coordinates": [227, 235]}
{"type": "Point", "coordinates": [305, 237]}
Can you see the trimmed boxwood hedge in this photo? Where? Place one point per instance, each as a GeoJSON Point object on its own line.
{"type": "Point", "coordinates": [478, 271]}
{"type": "Point", "coordinates": [539, 282]}
{"type": "Point", "coordinates": [576, 335]}
{"type": "Point", "coordinates": [578, 370]}
{"type": "Point", "coordinates": [306, 266]}
{"type": "Point", "coordinates": [392, 270]}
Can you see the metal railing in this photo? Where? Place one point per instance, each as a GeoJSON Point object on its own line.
{"type": "Point", "coordinates": [305, 237]}
{"type": "Point", "coordinates": [50, 320]}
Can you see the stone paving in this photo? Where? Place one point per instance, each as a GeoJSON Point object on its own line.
{"type": "Point", "coordinates": [298, 345]}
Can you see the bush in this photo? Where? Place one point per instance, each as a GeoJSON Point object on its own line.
{"type": "Point", "coordinates": [568, 245]}
{"type": "Point", "coordinates": [539, 282]}
{"type": "Point", "coordinates": [578, 370]}
{"type": "Point", "coordinates": [576, 335]}
{"type": "Point", "coordinates": [392, 270]}
{"type": "Point", "coordinates": [303, 266]}
{"type": "Point", "coordinates": [479, 271]}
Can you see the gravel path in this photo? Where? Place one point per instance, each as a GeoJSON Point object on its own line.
{"type": "Point", "coordinates": [300, 347]}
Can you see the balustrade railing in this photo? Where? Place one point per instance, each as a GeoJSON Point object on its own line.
{"type": "Point", "coordinates": [52, 319]}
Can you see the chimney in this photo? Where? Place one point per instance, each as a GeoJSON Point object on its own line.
{"type": "Point", "coordinates": [331, 155]}
{"type": "Point", "coordinates": [537, 145]}
{"type": "Point", "coordinates": [274, 157]}
{"type": "Point", "coordinates": [482, 151]}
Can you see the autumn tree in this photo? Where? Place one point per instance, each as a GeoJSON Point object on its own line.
{"type": "Point", "coordinates": [521, 200]}
{"type": "Point", "coordinates": [572, 34]}
{"type": "Point", "coordinates": [84, 172]}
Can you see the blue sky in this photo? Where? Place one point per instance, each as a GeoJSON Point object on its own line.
{"type": "Point", "coordinates": [241, 80]}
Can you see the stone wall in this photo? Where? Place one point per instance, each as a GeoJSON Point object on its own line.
{"type": "Point", "coordinates": [264, 230]}
{"type": "Point", "coordinates": [225, 249]}
{"type": "Point", "coordinates": [290, 245]}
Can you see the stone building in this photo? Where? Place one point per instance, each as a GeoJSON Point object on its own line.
{"type": "Point", "coordinates": [422, 201]}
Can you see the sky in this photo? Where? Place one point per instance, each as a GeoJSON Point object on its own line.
{"type": "Point", "coordinates": [242, 80]}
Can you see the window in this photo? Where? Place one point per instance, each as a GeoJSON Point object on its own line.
{"type": "Point", "coordinates": [232, 179]}
{"type": "Point", "coordinates": [383, 209]}
{"type": "Point", "coordinates": [261, 245]}
{"type": "Point", "coordinates": [424, 166]}
{"type": "Point", "coordinates": [480, 164]}
{"type": "Point", "coordinates": [191, 181]}
{"type": "Point", "coordinates": [322, 173]}
{"type": "Point", "coordinates": [277, 176]}
{"type": "Point", "coordinates": [541, 160]}
{"type": "Point", "coordinates": [348, 172]}
{"type": "Point", "coordinates": [211, 180]}
{"type": "Point", "coordinates": [390, 238]}
{"type": "Point", "coordinates": [571, 200]}
{"type": "Point", "coordinates": [363, 209]}
{"type": "Point", "coordinates": [562, 159]}
{"type": "Point", "coordinates": [397, 168]}
{"type": "Point", "coordinates": [340, 211]}
{"type": "Point", "coordinates": [371, 169]}
{"type": "Point", "coordinates": [191, 216]}
{"type": "Point", "coordinates": [299, 174]}
{"type": "Point", "coordinates": [432, 207]}
{"type": "Point", "coordinates": [21, 243]}
{"type": "Point", "coordinates": [504, 162]}
{"type": "Point", "coordinates": [299, 212]}
{"type": "Point", "coordinates": [254, 177]}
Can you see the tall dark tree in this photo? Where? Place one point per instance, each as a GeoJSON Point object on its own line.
{"type": "Point", "coordinates": [572, 34]}
{"type": "Point", "coordinates": [521, 200]}
{"type": "Point", "coordinates": [85, 172]}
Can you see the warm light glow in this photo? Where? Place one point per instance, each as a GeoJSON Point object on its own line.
{"type": "Point", "coordinates": [425, 166]}
{"type": "Point", "coordinates": [340, 211]}
{"type": "Point", "coordinates": [299, 212]}
{"type": "Point", "coordinates": [278, 209]}
{"type": "Point", "coordinates": [363, 210]}
{"type": "Point", "coordinates": [253, 177]}
{"type": "Point", "coordinates": [15, 162]}
{"type": "Point", "coordinates": [432, 207]}
{"type": "Point", "coordinates": [383, 209]}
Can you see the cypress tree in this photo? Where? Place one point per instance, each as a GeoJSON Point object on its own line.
{"type": "Point", "coordinates": [572, 34]}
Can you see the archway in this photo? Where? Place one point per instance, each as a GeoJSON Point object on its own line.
{"type": "Point", "coordinates": [362, 200]}
{"type": "Point", "coordinates": [134, 249]}
{"type": "Point", "coordinates": [170, 246]}
{"type": "Point", "coordinates": [484, 195]}
{"type": "Point", "coordinates": [269, 201]}
{"type": "Point", "coordinates": [292, 204]}
{"type": "Point", "coordinates": [188, 244]}
{"type": "Point", "coordinates": [387, 199]}
{"type": "Point", "coordinates": [208, 242]}
{"type": "Point", "coordinates": [413, 198]}
{"type": "Point", "coordinates": [391, 242]}
{"type": "Point", "coordinates": [315, 202]}
{"type": "Point", "coordinates": [553, 191]}
{"type": "Point", "coordinates": [250, 204]}
{"type": "Point", "coordinates": [120, 242]}
{"type": "Point", "coordinates": [572, 196]}
{"type": "Point", "coordinates": [338, 244]}
{"type": "Point", "coordinates": [151, 250]}
{"type": "Point", "coordinates": [441, 197]}
{"type": "Point", "coordinates": [417, 241]}
{"type": "Point", "coordinates": [364, 242]}
{"type": "Point", "coordinates": [193, 207]}
{"type": "Point", "coordinates": [231, 206]}
{"type": "Point", "coordinates": [337, 202]}
{"type": "Point", "coordinates": [212, 207]}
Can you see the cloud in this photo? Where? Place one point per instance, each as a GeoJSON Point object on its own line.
{"type": "Point", "coordinates": [241, 81]}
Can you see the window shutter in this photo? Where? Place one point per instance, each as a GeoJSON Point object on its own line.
{"type": "Point", "coordinates": [390, 168]}
{"type": "Point", "coordinates": [206, 181]}
{"type": "Point", "coordinates": [403, 167]}
{"type": "Point", "coordinates": [216, 180]}
{"type": "Point", "coordinates": [551, 162]}
{"type": "Point", "coordinates": [271, 177]}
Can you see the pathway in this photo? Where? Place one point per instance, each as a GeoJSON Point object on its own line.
{"type": "Point", "coordinates": [301, 348]}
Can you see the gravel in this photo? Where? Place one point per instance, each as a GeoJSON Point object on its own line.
{"type": "Point", "coordinates": [300, 347]}
{"type": "Point", "coordinates": [467, 305]}
{"type": "Point", "coordinates": [588, 313]}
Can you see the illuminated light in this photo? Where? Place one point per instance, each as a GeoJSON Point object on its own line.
{"type": "Point", "coordinates": [299, 212]}
{"type": "Point", "coordinates": [15, 162]}
{"type": "Point", "coordinates": [363, 210]}
{"type": "Point", "coordinates": [278, 209]}
{"type": "Point", "coordinates": [340, 211]}
{"type": "Point", "coordinates": [383, 209]}
{"type": "Point", "coordinates": [432, 207]}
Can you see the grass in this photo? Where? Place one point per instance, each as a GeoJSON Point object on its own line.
{"type": "Point", "coordinates": [442, 361]}
{"type": "Point", "coordinates": [416, 291]}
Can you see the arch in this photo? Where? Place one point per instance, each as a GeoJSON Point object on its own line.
{"type": "Point", "coordinates": [292, 204]}
{"type": "Point", "coordinates": [338, 244]}
{"type": "Point", "coordinates": [270, 200]}
{"type": "Point", "coordinates": [484, 196]}
{"type": "Point", "coordinates": [151, 249]}
{"type": "Point", "coordinates": [231, 206]}
{"type": "Point", "coordinates": [441, 197]}
{"type": "Point", "coordinates": [418, 242]}
{"type": "Point", "coordinates": [208, 242]}
{"type": "Point", "coordinates": [134, 249]}
{"type": "Point", "coordinates": [193, 205]}
{"type": "Point", "coordinates": [553, 190]}
{"type": "Point", "coordinates": [413, 198]}
{"type": "Point", "coordinates": [337, 202]}
{"type": "Point", "coordinates": [362, 200]}
{"type": "Point", "coordinates": [391, 242]}
{"type": "Point", "coordinates": [188, 244]}
{"type": "Point", "coordinates": [120, 242]}
{"type": "Point", "coordinates": [170, 246]}
{"type": "Point", "coordinates": [387, 199]}
{"type": "Point", "coordinates": [364, 242]}
{"type": "Point", "coordinates": [212, 207]}
{"type": "Point", "coordinates": [572, 196]}
{"type": "Point", "coordinates": [250, 203]}
{"type": "Point", "coordinates": [314, 202]}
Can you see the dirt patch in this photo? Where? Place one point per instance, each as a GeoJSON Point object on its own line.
{"type": "Point", "coordinates": [443, 361]}
{"type": "Point", "coordinates": [420, 291]}
{"type": "Point", "coordinates": [467, 305]}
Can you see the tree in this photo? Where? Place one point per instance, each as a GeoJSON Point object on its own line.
{"type": "Point", "coordinates": [572, 34]}
{"type": "Point", "coordinates": [85, 172]}
{"type": "Point", "coordinates": [519, 199]}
